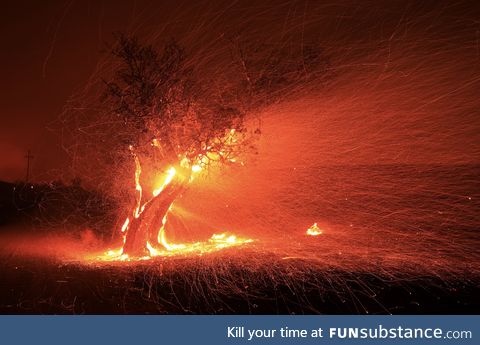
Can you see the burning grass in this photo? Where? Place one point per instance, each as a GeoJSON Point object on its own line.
{"type": "Point", "coordinates": [330, 273]}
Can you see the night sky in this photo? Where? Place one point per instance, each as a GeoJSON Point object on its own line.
{"type": "Point", "coordinates": [50, 49]}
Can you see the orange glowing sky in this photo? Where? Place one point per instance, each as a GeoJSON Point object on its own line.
{"type": "Point", "coordinates": [415, 71]}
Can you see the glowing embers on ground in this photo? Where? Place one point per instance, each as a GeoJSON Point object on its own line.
{"type": "Point", "coordinates": [314, 230]}
{"type": "Point", "coordinates": [215, 243]}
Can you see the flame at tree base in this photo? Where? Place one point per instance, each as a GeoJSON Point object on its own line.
{"type": "Point", "coordinates": [215, 243]}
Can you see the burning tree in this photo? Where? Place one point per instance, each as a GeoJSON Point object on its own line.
{"type": "Point", "coordinates": [175, 123]}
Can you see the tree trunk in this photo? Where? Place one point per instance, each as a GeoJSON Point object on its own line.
{"type": "Point", "coordinates": [145, 228]}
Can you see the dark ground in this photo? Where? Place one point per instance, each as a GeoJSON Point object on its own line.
{"type": "Point", "coordinates": [40, 286]}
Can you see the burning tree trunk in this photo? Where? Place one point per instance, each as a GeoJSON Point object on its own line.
{"type": "Point", "coordinates": [146, 230]}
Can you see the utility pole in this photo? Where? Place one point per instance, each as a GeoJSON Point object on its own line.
{"type": "Point", "coordinates": [28, 157]}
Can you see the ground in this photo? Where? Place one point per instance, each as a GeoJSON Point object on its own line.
{"type": "Point", "coordinates": [223, 283]}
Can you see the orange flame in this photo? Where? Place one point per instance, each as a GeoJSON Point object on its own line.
{"type": "Point", "coordinates": [314, 230]}
{"type": "Point", "coordinates": [170, 175]}
{"type": "Point", "coordinates": [138, 186]}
